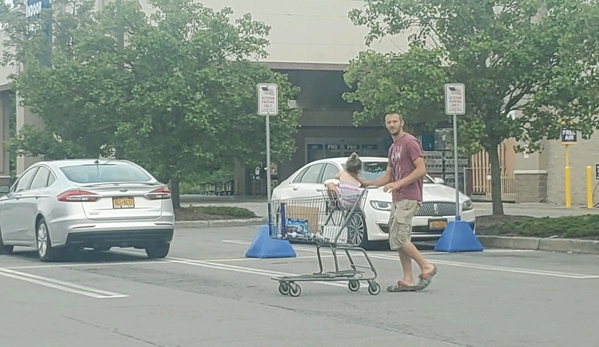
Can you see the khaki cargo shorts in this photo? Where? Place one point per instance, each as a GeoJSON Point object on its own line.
{"type": "Point", "coordinates": [400, 222]}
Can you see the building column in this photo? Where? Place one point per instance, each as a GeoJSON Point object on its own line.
{"type": "Point", "coordinates": [26, 117]}
{"type": "Point", "coordinates": [531, 177]}
{"type": "Point", "coordinates": [5, 137]}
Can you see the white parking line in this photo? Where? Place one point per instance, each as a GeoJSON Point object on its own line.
{"type": "Point", "coordinates": [61, 285]}
{"type": "Point", "coordinates": [242, 269]}
{"type": "Point", "coordinates": [246, 259]}
{"type": "Point", "coordinates": [254, 271]}
{"type": "Point", "coordinates": [237, 242]}
{"type": "Point", "coordinates": [83, 265]}
{"type": "Point", "coordinates": [308, 249]}
{"type": "Point", "coordinates": [501, 268]}
{"type": "Point", "coordinates": [379, 255]}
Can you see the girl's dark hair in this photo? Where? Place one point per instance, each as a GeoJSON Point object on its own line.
{"type": "Point", "coordinates": [353, 164]}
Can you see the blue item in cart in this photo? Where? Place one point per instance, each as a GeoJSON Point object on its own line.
{"type": "Point", "coordinates": [297, 227]}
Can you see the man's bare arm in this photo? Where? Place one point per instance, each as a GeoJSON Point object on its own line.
{"type": "Point", "coordinates": [381, 181]}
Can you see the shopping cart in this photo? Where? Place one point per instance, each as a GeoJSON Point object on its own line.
{"type": "Point", "coordinates": [325, 221]}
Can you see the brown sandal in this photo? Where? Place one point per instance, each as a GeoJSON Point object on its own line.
{"type": "Point", "coordinates": [426, 279]}
{"type": "Point", "coordinates": [401, 287]}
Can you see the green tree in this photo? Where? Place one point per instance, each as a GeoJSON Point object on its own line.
{"type": "Point", "coordinates": [193, 104]}
{"type": "Point", "coordinates": [75, 98]}
{"type": "Point", "coordinates": [539, 58]}
{"type": "Point", "coordinates": [174, 91]}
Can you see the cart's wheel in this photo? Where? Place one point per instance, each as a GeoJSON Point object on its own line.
{"type": "Point", "coordinates": [354, 285]}
{"type": "Point", "coordinates": [374, 288]}
{"type": "Point", "coordinates": [283, 288]}
{"type": "Point", "coordinates": [295, 290]}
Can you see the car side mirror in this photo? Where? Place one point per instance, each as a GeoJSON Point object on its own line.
{"type": "Point", "coordinates": [439, 180]}
{"type": "Point", "coordinates": [4, 189]}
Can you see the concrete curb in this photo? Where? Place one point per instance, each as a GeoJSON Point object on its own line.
{"type": "Point", "coordinates": [540, 244]}
{"type": "Point", "coordinates": [219, 223]}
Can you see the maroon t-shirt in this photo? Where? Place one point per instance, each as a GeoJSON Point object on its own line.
{"type": "Point", "coordinates": [402, 154]}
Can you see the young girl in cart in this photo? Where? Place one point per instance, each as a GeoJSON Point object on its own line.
{"type": "Point", "coordinates": [345, 187]}
{"type": "Point", "coordinates": [342, 199]}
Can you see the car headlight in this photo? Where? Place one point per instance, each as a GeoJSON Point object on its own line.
{"type": "Point", "coordinates": [381, 205]}
{"type": "Point", "coordinates": [467, 205]}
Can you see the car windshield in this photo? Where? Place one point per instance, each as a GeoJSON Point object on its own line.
{"type": "Point", "coordinates": [104, 173]}
{"type": "Point", "coordinates": [374, 170]}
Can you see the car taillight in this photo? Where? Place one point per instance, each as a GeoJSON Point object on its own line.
{"type": "Point", "coordinates": [78, 196]}
{"type": "Point", "coordinates": [158, 194]}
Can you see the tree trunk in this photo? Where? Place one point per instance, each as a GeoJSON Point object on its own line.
{"type": "Point", "coordinates": [175, 193]}
{"type": "Point", "coordinates": [495, 180]}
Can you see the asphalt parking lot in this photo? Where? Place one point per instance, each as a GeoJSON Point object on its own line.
{"type": "Point", "coordinates": [206, 293]}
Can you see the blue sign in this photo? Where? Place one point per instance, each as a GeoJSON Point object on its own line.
{"type": "Point", "coordinates": [34, 7]}
{"type": "Point", "coordinates": [569, 136]}
{"type": "Point", "coordinates": [351, 147]}
{"type": "Point", "coordinates": [315, 147]}
{"type": "Point", "coordinates": [428, 142]}
{"type": "Point", "coordinates": [333, 147]}
{"type": "Point", "coordinates": [370, 147]}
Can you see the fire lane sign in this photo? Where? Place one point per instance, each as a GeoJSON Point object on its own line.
{"type": "Point", "coordinates": [455, 99]}
{"type": "Point", "coordinates": [569, 136]}
{"type": "Point", "coordinates": [268, 99]}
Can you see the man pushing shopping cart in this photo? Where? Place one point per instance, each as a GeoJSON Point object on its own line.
{"type": "Point", "coordinates": [329, 216]}
{"type": "Point", "coordinates": [404, 179]}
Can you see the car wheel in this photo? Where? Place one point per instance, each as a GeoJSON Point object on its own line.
{"type": "Point", "coordinates": [356, 230]}
{"type": "Point", "coordinates": [3, 248]}
{"type": "Point", "coordinates": [159, 250]}
{"type": "Point", "coordinates": [44, 245]}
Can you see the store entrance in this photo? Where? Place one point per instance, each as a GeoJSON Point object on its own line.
{"type": "Point", "coordinates": [317, 149]}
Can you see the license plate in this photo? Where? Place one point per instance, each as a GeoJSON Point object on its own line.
{"type": "Point", "coordinates": [123, 202]}
{"type": "Point", "coordinates": [438, 224]}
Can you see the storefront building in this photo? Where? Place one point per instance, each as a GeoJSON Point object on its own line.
{"type": "Point", "coordinates": [312, 42]}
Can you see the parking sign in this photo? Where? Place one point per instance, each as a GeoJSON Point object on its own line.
{"type": "Point", "coordinates": [268, 99]}
{"type": "Point", "coordinates": [455, 99]}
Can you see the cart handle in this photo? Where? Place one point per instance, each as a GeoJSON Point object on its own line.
{"type": "Point", "coordinates": [326, 189]}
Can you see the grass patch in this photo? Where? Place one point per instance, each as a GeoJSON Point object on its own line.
{"type": "Point", "coordinates": [569, 227]}
{"type": "Point", "coordinates": [212, 213]}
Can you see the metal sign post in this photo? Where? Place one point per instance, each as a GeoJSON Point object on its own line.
{"type": "Point", "coordinates": [455, 104]}
{"type": "Point", "coordinates": [569, 137]}
{"type": "Point", "coordinates": [268, 105]}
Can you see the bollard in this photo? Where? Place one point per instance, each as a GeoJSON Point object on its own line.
{"type": "Point", "coordinates": [567, 178]}
{"type": "Point", "coordinates": [567, 175]}
{"type": "Point", "coordinates": [589, 188]}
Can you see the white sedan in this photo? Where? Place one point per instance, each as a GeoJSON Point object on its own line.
{"type": "Point", "coordinates": [57, 206]}
{"type": "Point", "coordinates": [437, 209]}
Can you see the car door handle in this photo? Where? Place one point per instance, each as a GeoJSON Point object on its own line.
{"type": "Point", "coordinates": [295, 187]}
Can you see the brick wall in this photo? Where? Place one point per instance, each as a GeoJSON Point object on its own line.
{"type": "Point", "coordinates": [531, 186]}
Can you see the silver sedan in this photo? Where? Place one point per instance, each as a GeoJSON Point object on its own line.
{"type": "Point", "coordinates": [58, 206]}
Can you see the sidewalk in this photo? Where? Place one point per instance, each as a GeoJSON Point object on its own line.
{"type": "Point", "coordinates": [538, 205]}
{"type": "Point", "coordinates": [260, 207]}
{"type": "Point", "coordinates": [535, 209]}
